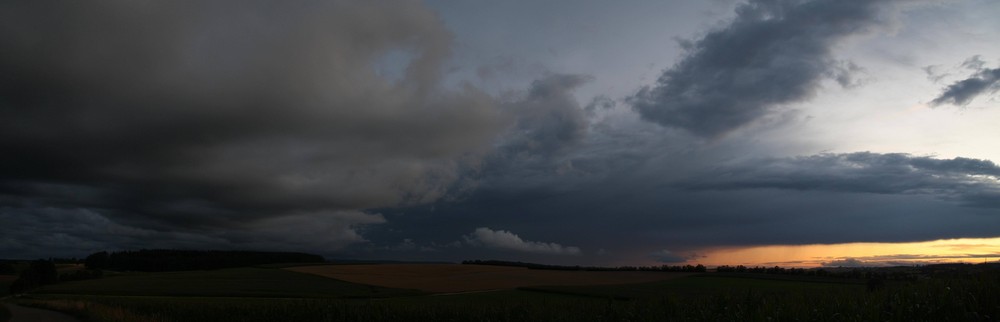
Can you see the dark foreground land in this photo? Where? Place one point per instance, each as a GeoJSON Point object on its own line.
{"type": "Point", "coordinates": [276, 293]}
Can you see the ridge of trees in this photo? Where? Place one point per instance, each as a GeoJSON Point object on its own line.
{"type": "Point", "coordinates": [38, 273]}
{"type": "Point", "coordinates": [165, 260]}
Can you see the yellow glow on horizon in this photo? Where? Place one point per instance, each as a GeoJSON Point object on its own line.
{"type": "Point", "coordinates": [968, 250]}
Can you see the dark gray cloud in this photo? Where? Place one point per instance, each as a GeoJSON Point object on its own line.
{"type": "Point", "coordinates": [548, 117]}
{"type": "Point", "coordinates": [548, 124]}
{"type": "Point", "coordinates": [669, 257]}
{"type": "Point", "coordinates": [982, 81]}
{"type": "Point", "coordinates": [191, 115]}
{"type": "Point", "coordinates": [967, 180]}
{"type": "Point", "coordinates": [848, 262]}
{"type": "Point", "coordinates": [654, 202]}
{"type": "Point", "coordinates": [774, 52]}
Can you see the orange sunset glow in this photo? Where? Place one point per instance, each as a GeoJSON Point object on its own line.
{"type": "Point", "coordinates": [964, 250]}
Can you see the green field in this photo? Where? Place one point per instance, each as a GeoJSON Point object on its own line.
{"type": "Point", "coordinates": [706, 284]}
{"type": "Point", "coordinates": [265, 294]}
{"type": "Point", "coordinates": [233, 282]}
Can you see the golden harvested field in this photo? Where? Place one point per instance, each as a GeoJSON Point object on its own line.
{"type": "Point", "coordinates": [452, 278]}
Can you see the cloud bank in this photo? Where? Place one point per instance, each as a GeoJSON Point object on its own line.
{"type": "Point", "coordinates": [191, 115]}
{"type": "Point", "coordinates": [974, 182]}
{"type": "Point", "coordinates": [505, 240]}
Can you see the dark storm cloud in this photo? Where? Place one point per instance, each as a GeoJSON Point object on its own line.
{"type": "Point", "coordinates": [774, 52]}
{"type": "Point", "coordinates": [982, 81]}
{"type": "Point", "coordinates": [669, 257]}
{"type": "Point", "coordinates": [168, 114]}
{"type": "Point", "coordinates": [645, 206]}
{"type": "Point", "coordinates": [549, 118]}
{"type": "Point", "coordinates": [964, 179]}
{"type": "Point", "coordinates": [548, 124]}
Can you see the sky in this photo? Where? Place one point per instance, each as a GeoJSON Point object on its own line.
{"type": "Point", "coordinates": [759, 132]}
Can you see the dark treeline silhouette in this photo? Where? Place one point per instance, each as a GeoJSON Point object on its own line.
{"type": "Point", "coordinates": [7, 268]}
{"type": "Point", "coordinates": [38, 273]}
{"type": "Point", "coordinates": [163, 260]}
{"type": "Point", "coordinates": [769, 270]}
{"type": "Point", "coordinates": [662, 268]}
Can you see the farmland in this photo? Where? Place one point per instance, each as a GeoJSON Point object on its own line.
{"type": "Point", "coordinates": [234, 282]}
{"type": "Point", "coordinates": [453, 278]}
{"type": "Point", "coordinates": [276, 294]}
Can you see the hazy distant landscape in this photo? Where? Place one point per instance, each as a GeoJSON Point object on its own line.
{"type": "Point", "coordinates": [507, 291]}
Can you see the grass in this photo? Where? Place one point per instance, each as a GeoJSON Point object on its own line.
{"type": "Point", "coordinates": [235, 282]}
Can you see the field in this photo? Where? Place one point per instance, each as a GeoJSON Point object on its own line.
{"type": "Point", "coordinates": [235, 282]}
{"type": "Point", "coordinates": [454, 278]}
{"type": "Point", "coordinates": [5, 281]}
{"type": "Point", "coordinates": [704, 285]}
{"type": "Point", "coordinates": [273, 294]}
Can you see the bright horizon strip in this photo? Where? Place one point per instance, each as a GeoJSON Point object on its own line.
{"type": "Point", "coordinates": [965, 250]}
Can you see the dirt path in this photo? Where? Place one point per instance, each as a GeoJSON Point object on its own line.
{"type": "Point", "coordinates": [28, 314]}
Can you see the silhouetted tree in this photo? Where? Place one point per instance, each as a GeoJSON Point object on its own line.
{"type": "Point", "coordinates": [7, 268]}
{"type": "Point", "coordinates": [97, 260]}
{"type": "Point", "coordinates": [40, 272]}
{"type": "Point", "coordinates": [162, 260]}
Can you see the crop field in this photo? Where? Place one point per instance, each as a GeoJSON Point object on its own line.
{"type": "Point", "coordinates": [270, 294]}
{"type": "Point", "coordinates": [235, 282]}
{"type": "Point", "coordinates": [706, 284]}
{"type": "Point", "coordinates": [963, 299]}
{"type": "Point", "coordinates": [454, 278]}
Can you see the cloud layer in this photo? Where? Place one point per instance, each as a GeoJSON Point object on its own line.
{"type": "Point", "coordinates": [773, 53]}
{"type": "Point", "coordinates": [347, 129]}
{"type": "Point", "coordinates": [973, 182]}
{"type": "Point", "coordinates": [199, 115]}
